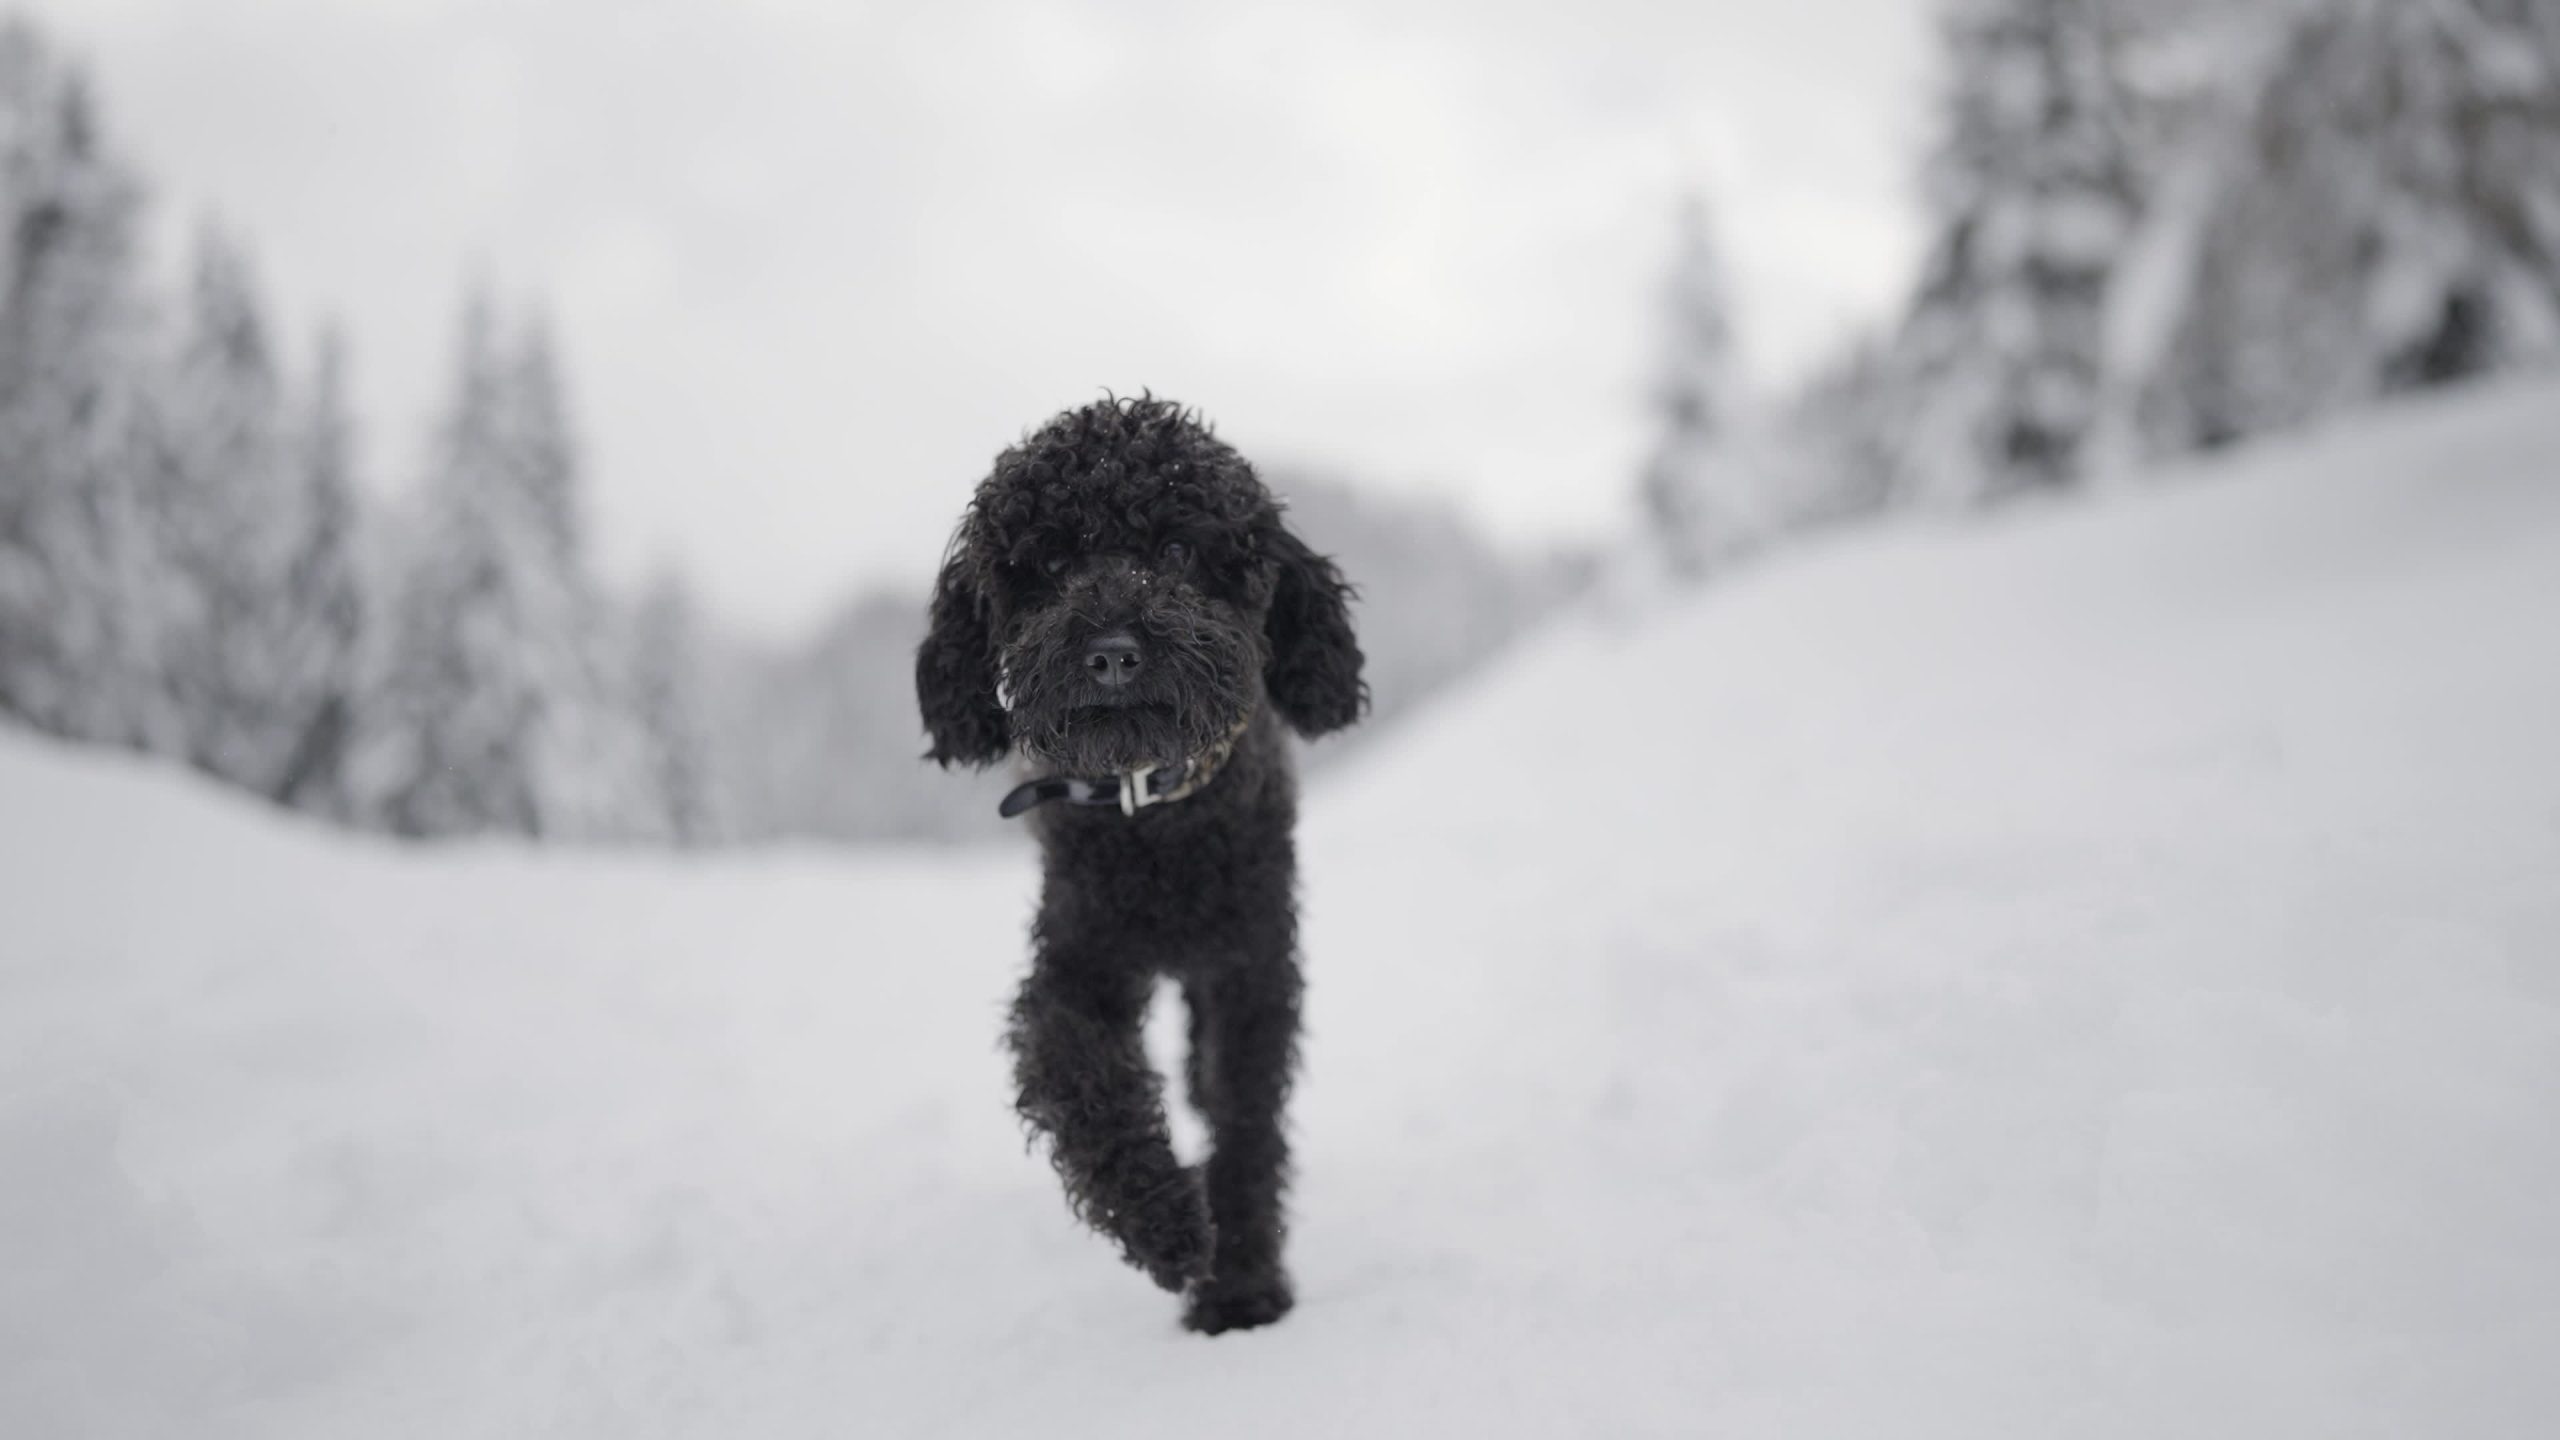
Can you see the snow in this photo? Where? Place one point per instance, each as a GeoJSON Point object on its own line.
{"type": "Point", "coordinates": [2092, 973]}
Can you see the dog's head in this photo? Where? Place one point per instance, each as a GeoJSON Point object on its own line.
{"type": "Point", "coordinates": [1122, 592]}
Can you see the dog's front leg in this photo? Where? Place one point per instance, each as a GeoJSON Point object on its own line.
{"type": "Point", "coordinates": [1080, 1062]}
{"type": "Point", "coordinates": [1244, 1037]}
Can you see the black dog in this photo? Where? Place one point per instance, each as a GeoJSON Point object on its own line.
{"type": "Point", "coordinates": [1124, 608]}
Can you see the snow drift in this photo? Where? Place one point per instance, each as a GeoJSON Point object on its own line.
{"type": "Point", "coordinates": [2096, 973]}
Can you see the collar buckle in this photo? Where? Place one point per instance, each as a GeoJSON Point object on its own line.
{"type": "Point", "coordinates": [1135, 794]}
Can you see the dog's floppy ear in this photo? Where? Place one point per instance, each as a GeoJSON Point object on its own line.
{"type": "Point", "coordinates": [1314, 678]}
{"type": "Point", "coordinates": [956, 672]}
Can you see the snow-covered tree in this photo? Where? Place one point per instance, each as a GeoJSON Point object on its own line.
{"type": "Point", "coordinates": [667, 682]}
{"type": "Point", "coordinates": [76, 651]}
{"type": "Point", "coordinates": [326, 597]}
{"type": "Point", "coordinates": [1692, 511]}
{"type": "Point", "coordinates": [2002, 357]}
{"type": "Point", "coordinates": [544, 452]}
{"type": "Point", "coordinates": [450, 750]}
{"type": "Point", "coordinates": [596, 761]}
{"type": "Point", "coordinates": [227, 523]}
{"type": "Point", "coordinates": [2386, 217]}
{"type": "Point", "coordinates": [1830, 444]}
{"type": "Point", "coordinates": [505, 704]}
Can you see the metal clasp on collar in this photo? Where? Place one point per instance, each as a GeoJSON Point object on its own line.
{"type": "Point", "coordinates": [1134, 796]}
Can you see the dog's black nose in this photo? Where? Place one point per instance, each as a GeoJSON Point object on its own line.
{"type": "Point", "coordinates": [1113, 658]}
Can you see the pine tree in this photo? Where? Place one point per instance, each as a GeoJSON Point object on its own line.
{"type": "Point", "coordinates": [2003, 355]}
{"type": "Point", "coordinates": [1687, 498]}
{"type": "Point", "coordinates": [76, 652]}
{"type": "Point", "coordinates": [667, 685]}
{"type": "Point", "coordinates": [1833, 439]}
{"type": "Point", "coordinates": [325, 599]}
{"type": "Point", "coordinates": [470, 674]}
{"type": "Point", "coordinates": [220, 497]}
{"type": "Point", "coordinates": [506, 705]}
{"type": "Point", "coordinates": [594, 760]}
{"type": "Point", "coordinates": [2388, 218]}
{"type": "Point", "coordinates": [539, 434]}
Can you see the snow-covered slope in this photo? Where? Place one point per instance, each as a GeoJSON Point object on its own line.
{"type": "Point", "coordinates": [2096, 974]}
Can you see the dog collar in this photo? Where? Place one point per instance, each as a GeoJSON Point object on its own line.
{"type": "Point", "coordinates": [1130, 790]}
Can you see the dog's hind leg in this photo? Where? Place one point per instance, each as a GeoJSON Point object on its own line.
{"type": "Point", "coordinates": [1081, 1064]}
{"type": "Point", "coordinates": [1244, 1036]}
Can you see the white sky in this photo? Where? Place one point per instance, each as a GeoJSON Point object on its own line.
{"type": "Point", "coordinates": [812, 263]}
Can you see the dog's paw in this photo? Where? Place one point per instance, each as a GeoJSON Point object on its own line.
{"type": "Point", "coordinates": [1168, 1234]}
{"type": "Point", "coordinates": [1242, 1302]}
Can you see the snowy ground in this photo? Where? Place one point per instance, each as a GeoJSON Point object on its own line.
{"type": "Point", "coordinates": [2092, 975]}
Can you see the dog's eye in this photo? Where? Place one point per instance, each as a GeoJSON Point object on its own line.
{"type": "Point", "coordinates": [1174, 556]}
{"type": "Point", "coordinates": [1054, 566]}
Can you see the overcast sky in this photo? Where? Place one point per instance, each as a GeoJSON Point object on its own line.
{"type": "Point", "coordinates": [812, 263]}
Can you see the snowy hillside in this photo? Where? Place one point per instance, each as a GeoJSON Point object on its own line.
{"type": "Point", "coordinates": [2096, 974]}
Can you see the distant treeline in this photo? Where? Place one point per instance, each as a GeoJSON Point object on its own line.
{"type": "Point", "coordinates": [2159, 227]}
{"type": "Point", "coordinates": [190, 566]}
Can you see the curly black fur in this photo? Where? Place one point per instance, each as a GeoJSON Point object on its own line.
{"type": "Point", "coordinates": [1131, 516]}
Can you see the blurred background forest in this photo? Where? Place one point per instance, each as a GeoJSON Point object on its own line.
{"type": "Point", "coordinates": [2150, 228]}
